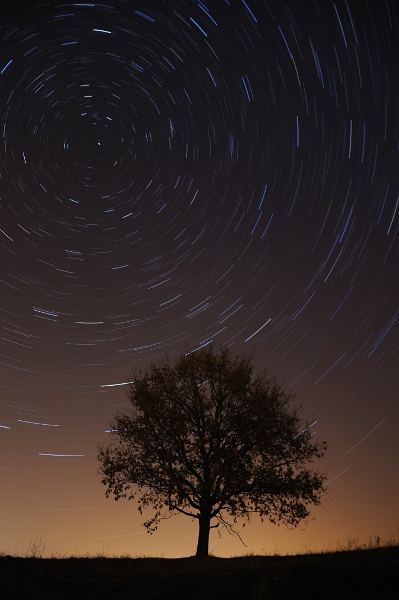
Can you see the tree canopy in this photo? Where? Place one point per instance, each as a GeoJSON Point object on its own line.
{"type": "Point", "coordinates": [208, 438]}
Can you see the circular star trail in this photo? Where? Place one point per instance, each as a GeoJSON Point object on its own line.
{"type": "Point", "coordinates": [176, 173]}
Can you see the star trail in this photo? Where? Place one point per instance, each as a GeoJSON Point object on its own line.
{"type": "Point", "coordinates": [178, 172]}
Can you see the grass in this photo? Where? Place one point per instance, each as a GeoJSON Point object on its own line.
{"type": "Point", "coordinates": [368, 571]}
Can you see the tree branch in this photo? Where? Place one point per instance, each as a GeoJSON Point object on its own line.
{"type": "Point", "coordinates": [230, 529]}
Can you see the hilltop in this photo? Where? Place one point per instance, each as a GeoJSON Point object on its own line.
{"type": "Point", "coordinates": [347, 575]}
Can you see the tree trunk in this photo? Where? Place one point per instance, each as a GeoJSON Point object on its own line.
{"type": "Point", "coordinates": [203, 535]}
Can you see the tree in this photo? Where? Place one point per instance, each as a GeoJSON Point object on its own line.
{"type": "Point", "coordinates": [208, 438]}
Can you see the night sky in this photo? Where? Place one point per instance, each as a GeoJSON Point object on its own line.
{"type": "Point", "coordinates": [176, 172]}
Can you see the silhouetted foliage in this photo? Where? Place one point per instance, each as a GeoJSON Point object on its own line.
{"type": "Point", "coordinates": [208, 438]}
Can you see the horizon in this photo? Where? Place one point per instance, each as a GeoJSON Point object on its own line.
{"type": "Point", "coordinates": [38, 549]}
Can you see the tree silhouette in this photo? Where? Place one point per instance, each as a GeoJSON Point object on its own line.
{"type": "Point", "coordinates": [208, 438]}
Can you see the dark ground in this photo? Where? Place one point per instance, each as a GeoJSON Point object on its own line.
{"type": "Point", "coordinates": [347, 575]}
